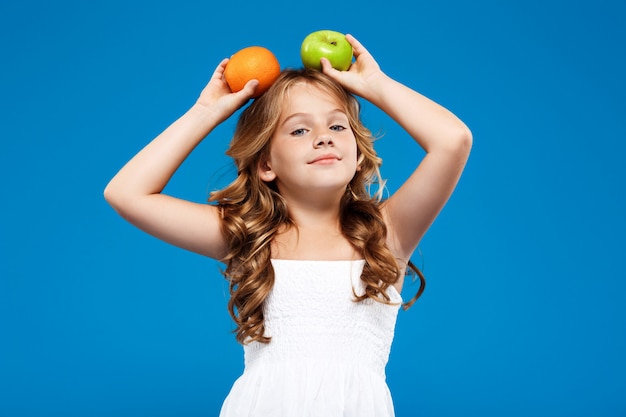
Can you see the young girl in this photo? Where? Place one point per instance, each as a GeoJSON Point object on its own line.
{"type": "Point", "coordinates": [315, 263]}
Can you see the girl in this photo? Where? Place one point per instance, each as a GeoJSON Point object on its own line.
{"type": "Point", "coordinates": [315, 263]}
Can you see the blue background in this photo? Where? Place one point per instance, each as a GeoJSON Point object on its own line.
{"type": "Point", "coordinates": [523, 314]}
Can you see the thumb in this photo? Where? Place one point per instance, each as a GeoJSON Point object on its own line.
{"type": "Point", "coordinates": [250, 87]}
{"type": "Point", "coordinates": [242, 96]}
{"type": "Point", "coordinates": [328, 69]}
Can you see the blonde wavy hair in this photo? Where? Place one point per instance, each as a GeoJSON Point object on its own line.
{"type": "Point", "coordinates": [253, 211]}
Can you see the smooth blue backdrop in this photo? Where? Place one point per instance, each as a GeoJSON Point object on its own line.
{"type": "Point", "coordinates": [524, 312]}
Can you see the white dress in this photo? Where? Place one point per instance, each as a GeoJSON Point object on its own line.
{"type": "Point", "coordinates": [327, 355]}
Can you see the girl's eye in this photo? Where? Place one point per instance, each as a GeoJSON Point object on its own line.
{"type": "Point", "coordinates": [337, 128]}
{"type": "Point", "coordinates": [298, 132]}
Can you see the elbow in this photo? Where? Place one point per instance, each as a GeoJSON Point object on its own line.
{"type": "Point", "coordinates": [465, 140]}
{"type": "Point", "coordinates": [109, 195]}
{"type": "Point", "coordinates": [119, 200]}
{"type": "Point", "coordinates": [113, 196]}
{"type": "Point", "coordinates": [460, 141]}
{"type": "Point", "coordinates": [123, 198]}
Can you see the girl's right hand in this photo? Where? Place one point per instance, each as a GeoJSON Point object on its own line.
{"type": "Point", "coordinates": [217, 98]}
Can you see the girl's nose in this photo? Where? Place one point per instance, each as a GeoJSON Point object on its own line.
{"type": "Point", "coordinates": [323, 140]}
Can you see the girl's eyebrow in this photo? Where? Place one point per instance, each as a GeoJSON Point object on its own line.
{"type": "Point", "coordinates": [300, 114]}
{"type": "Point", "coordinates": [292, 116]}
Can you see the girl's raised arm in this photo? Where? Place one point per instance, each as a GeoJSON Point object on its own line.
{"type": "Point", "coordinates": [410, 211]}
{"type": "Point", "coordinates": [135, 192]}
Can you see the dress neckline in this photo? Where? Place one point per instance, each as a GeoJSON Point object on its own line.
{"type": "Point", "coordinates": [316, 260]}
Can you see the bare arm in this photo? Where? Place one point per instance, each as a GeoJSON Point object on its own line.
{"type": "Point", "coordinates": [410, 211]}
{"type": "Point", "coordinates": [135, 192]}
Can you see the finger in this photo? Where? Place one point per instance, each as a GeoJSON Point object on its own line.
{"type": "Point", "coordinates": [219, 71]}
{"type": "Point", "coordinates": [249, 89]}
{"type": "Point", "coordinates": [327, 68]}
{"type": "Point", "coordinates": [357, 47]}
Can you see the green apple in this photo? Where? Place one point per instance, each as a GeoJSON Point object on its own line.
{"type": "Point", "coordinates": [328, 44]}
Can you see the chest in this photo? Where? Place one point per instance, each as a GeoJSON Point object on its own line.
{"type": "Point", "coordinates": [313, 245]}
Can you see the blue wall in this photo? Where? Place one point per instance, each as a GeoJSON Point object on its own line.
{"type": "Point", "coordinates": [524, 312]}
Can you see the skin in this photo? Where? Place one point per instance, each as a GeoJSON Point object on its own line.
{"type": "Point", "coordinates": [312, 190]}
{"type": "Point", "coordinates": [313, 157]}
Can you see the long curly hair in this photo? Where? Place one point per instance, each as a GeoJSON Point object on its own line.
{"type": "Point", "coordinates": [253, 211]}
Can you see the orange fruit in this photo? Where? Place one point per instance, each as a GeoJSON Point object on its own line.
{"type": "Point", "coordinates": [252, 63]}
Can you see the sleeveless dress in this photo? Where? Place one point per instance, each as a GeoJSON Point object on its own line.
{"type": "Point", "coordinates": [327, 355]}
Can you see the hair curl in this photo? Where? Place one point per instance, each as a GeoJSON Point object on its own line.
{"type": "Point", "coordinates": [253, 211]}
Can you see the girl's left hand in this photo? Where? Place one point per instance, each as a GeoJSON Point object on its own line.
{"type": "Point", "coordinates": [363, 72]}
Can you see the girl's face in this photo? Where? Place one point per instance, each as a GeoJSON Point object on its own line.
{"type": "Point", "coordinates": [313, 149]}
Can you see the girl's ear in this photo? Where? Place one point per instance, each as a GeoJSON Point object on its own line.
{"type": "Point", "coordinates": [265, 171]}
